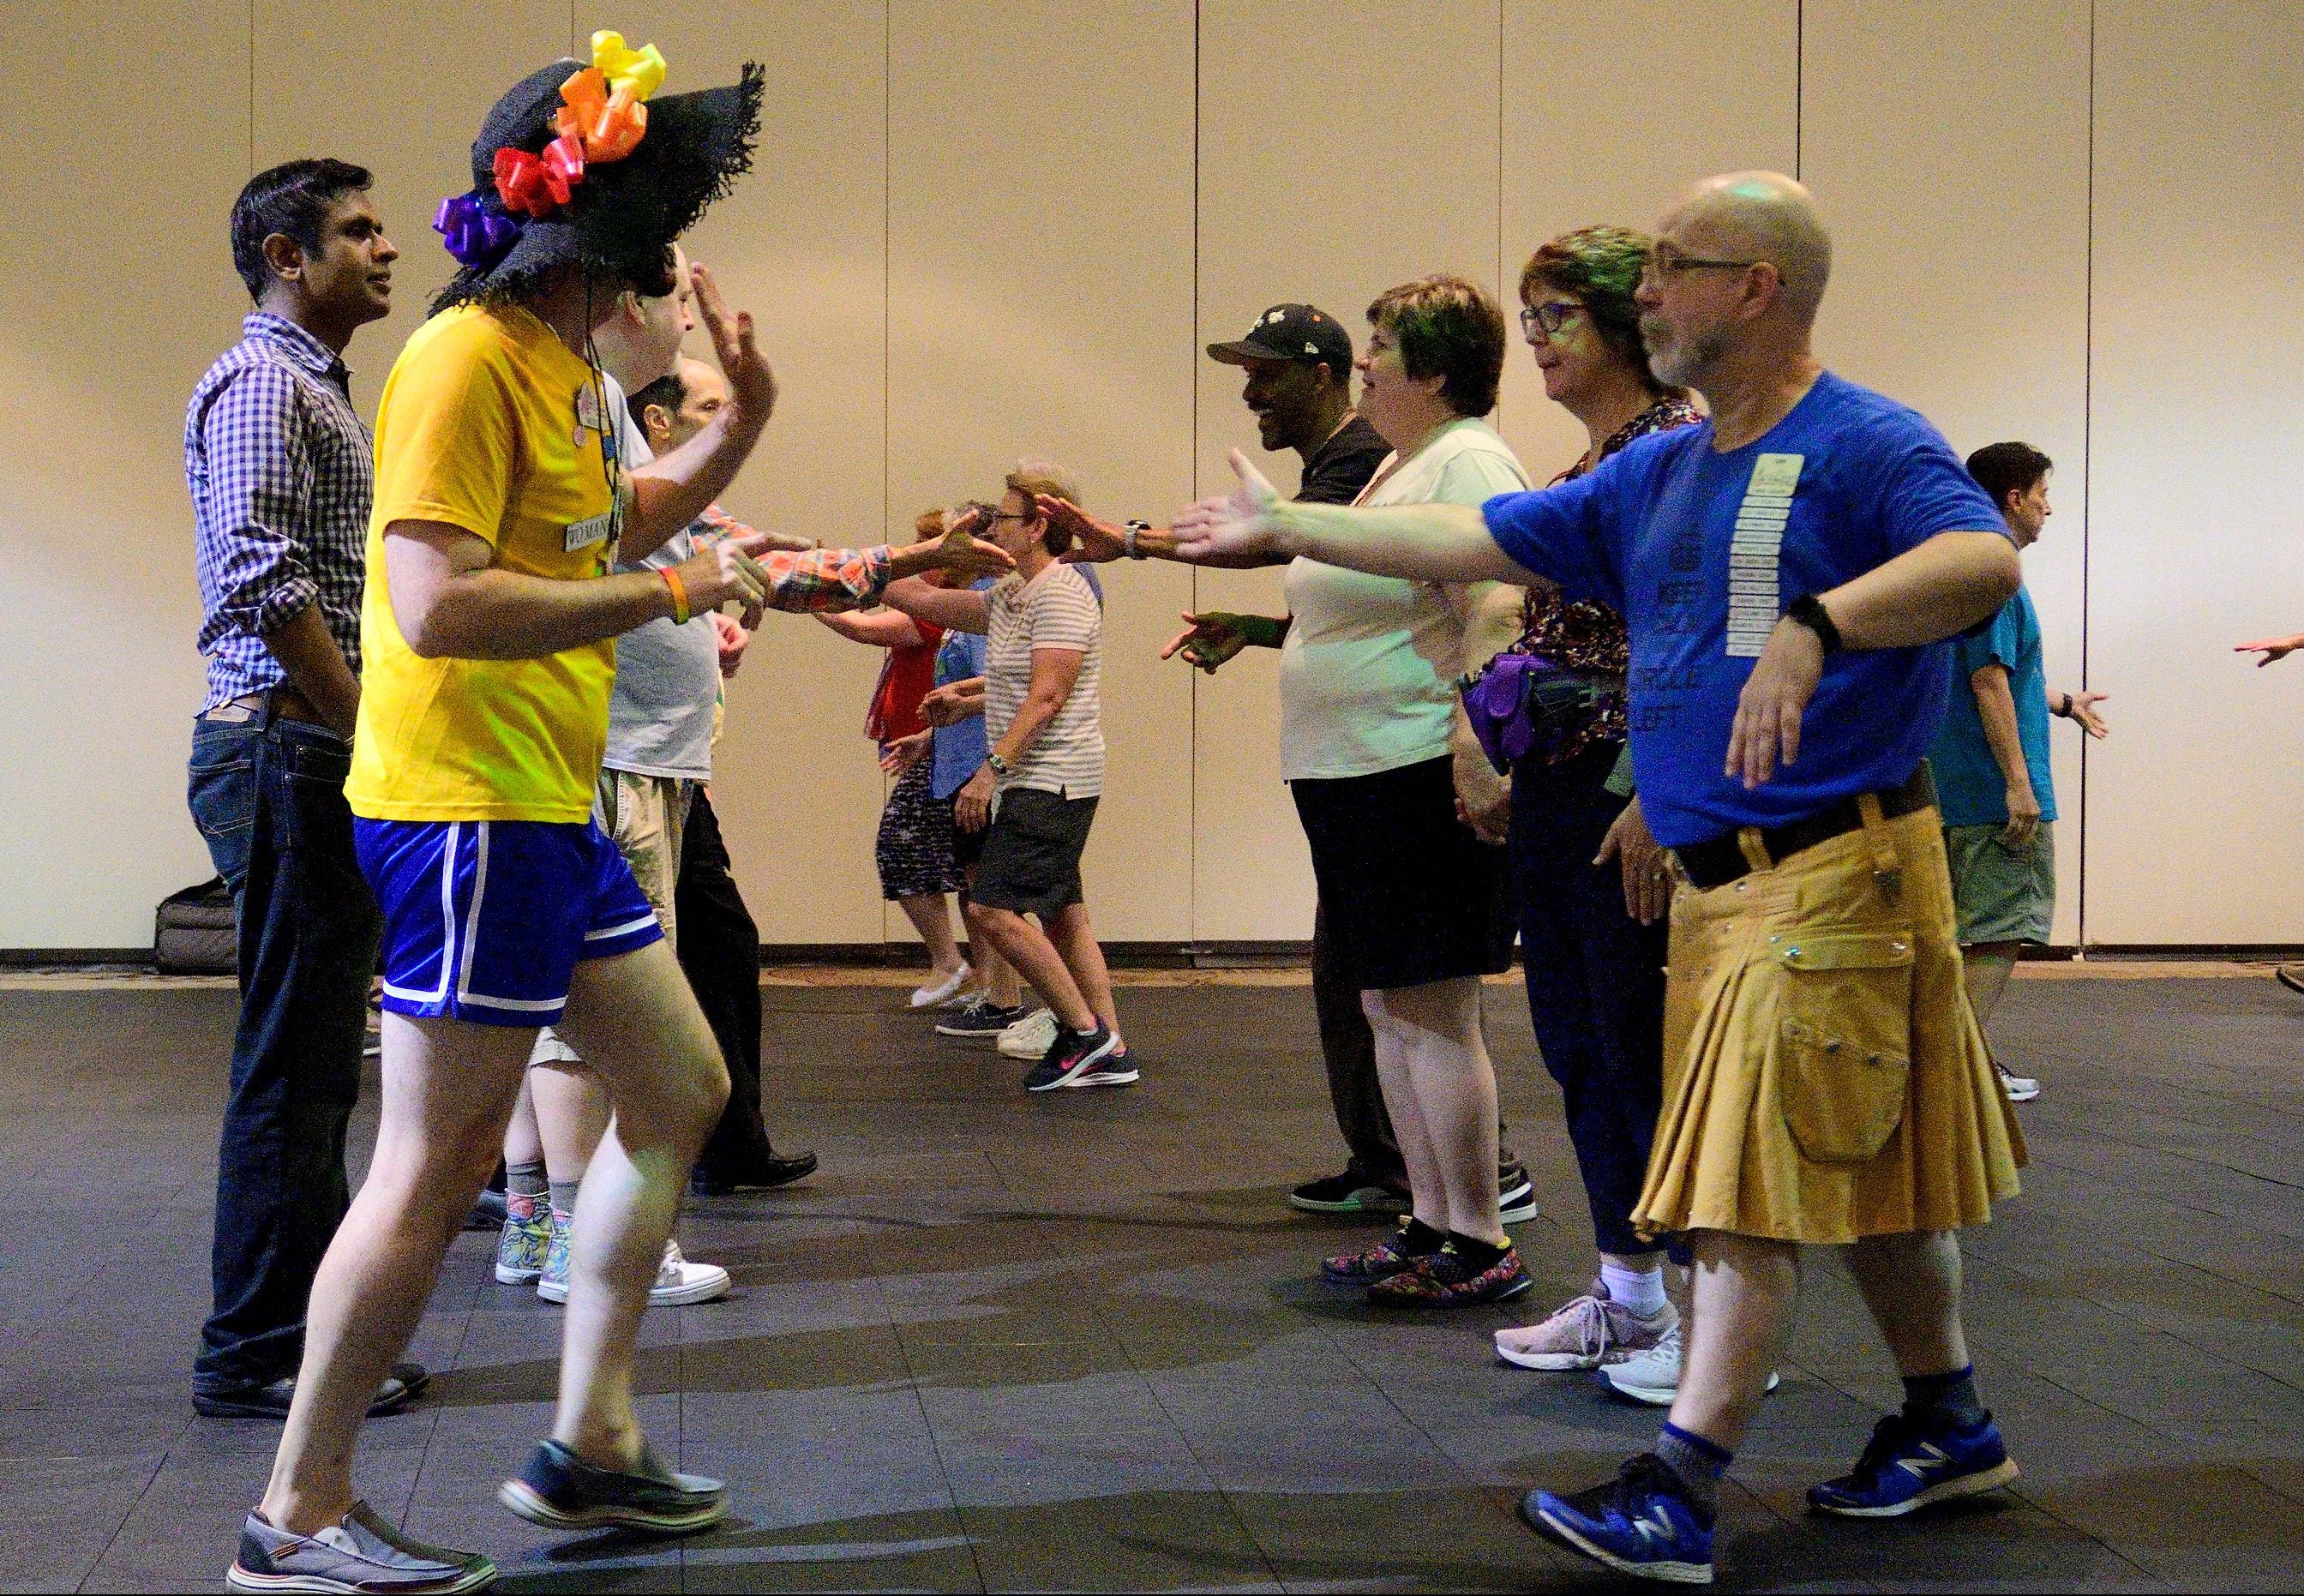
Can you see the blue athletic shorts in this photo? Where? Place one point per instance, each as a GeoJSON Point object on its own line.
{"type": "Point", "coordinates": [485, 920]}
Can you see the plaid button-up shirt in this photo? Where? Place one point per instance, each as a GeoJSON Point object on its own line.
{"type": "Point", "coordinates": [281, 474]}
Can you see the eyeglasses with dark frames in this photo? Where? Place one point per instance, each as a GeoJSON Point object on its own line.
{"type": "Point", "coordinates": [1547, 318]}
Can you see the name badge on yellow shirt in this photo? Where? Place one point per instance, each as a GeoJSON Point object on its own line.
{"type": "Point", "coordinates": [591, 529]}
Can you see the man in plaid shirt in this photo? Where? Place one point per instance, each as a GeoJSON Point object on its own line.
{"type": "Point", "coordinates": [280, 470]}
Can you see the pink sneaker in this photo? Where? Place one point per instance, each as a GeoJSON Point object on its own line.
{"type": "Point", "coordinates": [1588, 1333]}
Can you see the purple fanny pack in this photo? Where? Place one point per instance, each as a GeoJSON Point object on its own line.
{"type": "Point", "coordinates": [1520, 705]}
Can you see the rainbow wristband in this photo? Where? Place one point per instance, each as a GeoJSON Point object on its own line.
{"type": "Point", "coordinates": [679, 591]}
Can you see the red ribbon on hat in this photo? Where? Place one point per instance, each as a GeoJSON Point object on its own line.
{"type": "Point", "coordinates": [537, 185]}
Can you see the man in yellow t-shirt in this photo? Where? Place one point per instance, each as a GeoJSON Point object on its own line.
{"type": "Point", "coordinates": [489, 623]}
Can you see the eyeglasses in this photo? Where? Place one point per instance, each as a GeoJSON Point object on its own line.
{"type": "Point", "coordinates": [1666, 263]}
{"type": "Point", "coordinates": [1547, 318]}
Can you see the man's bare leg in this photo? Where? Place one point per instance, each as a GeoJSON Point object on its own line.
{"type": "Point", "coordinates": [931, 917]}
{"type": "Point", "coordinates": [638, 1027]}
{"type": "Point", "coordinates": [1911, 1283]}
{"type": "Point", "coordinates": [448, 1089]}
{"type": "Point", "coordinates": [572, 1117]}
{"type": "Point", "coordinates": [1985, 968]}
{"type": "Point", "coordinates": [1745, 1292]}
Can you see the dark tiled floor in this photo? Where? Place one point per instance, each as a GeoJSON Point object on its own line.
{"type": "Point", "coordinates": [1054, 1343]}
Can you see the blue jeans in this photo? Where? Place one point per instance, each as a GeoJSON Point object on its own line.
{"type": "Point", "coordinates": [268, 796]}
{"type": "Point", "coordinates": [1595, 981]}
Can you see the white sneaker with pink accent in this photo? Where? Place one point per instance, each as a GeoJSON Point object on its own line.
{"type": "Point", "coordinates": [1588, 1333]}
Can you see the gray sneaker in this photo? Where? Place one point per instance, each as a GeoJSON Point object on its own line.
{"type": "Point", "coordinates": [362, 1553]}
{"type": "Point", "coordinates": [561, 1491]}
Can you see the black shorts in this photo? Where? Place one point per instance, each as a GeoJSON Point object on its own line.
{"type": "Point", "coordinates": [1032, 852]}
{"type": "Point", "coordinates": [1407, 895]}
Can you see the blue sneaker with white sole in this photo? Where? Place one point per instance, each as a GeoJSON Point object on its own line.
{"type": "Point", "coordinates": [1905, 1466]}
{"type": "Point", "coordinates": [1640, 1523]}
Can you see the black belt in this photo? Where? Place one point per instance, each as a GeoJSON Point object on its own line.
{"type": "Point", "coordinates": [1717, 861]}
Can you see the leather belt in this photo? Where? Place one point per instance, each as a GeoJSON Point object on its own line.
{"type": "Point", "coordinates": [284, 702]}
{"type": "Point", "coordinates": [1717, 861]}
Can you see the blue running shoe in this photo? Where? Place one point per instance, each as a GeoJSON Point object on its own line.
{"type": "Point", "coordinates": [1903, 1467]}
{"type": "Point", "coordinates": [1638, 1524]}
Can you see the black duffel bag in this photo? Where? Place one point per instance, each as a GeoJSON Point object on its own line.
{"type": "Point", "coordinates": [195, 931]}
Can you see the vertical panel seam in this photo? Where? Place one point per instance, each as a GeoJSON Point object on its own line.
{"type": "Point", "coordinates": [1192, 458]}
{"type": "Point", "coordinates": [251, 87]}
{"type": "Point", "coordinates": [887, 312]}
{"type": "Point", "coordinates": [2087, 458]}
{"type": "Point", "coordinates": [1799, 84]}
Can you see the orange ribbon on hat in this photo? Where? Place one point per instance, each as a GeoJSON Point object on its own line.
{"type": "Point", "coordinates": [604, 105]}
{"type": "Point", "coordinates": [608, 125]}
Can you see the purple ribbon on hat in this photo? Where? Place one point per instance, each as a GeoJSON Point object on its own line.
{"type": "Point", "coordinates": [476, 235]}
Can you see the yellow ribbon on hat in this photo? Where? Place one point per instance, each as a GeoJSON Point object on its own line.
{"type": "Point", "coordinates": [640, 70]}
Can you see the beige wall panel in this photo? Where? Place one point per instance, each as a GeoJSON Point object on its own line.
{"type": "Point", "coordinates": [1341, 153]}
{"type": "Point", "coordinates": [800, 244]}
{"type": "Point", "coordinates": [1040, 301]}
{"type": "Point", "coordinates": [113, 191]}
{"type": "Point", "coordinates": [2196, 472]}
{"type": "Point", "coordinates": [1610, 111]}
{"type": "Point", "coordinates": [1953, 172]}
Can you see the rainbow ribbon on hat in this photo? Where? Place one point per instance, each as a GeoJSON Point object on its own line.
{"type": "Point", "coordinates": [602, 118]}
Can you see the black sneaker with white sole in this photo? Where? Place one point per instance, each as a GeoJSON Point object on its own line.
{"type": "Point", "coordinates": [980, 1022]}
{"type": "Point", "coordinates": [561, 1492]}
{"type": "Point", "coordinates": [1115, 1068]}
{"type": "Point", "coordinates": [1071, 1055]}
{"type": "Point", "coordinates": [1515, 1194]}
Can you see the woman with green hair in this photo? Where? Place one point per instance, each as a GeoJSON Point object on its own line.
{"type": "Point", "coordinates": [1591, 883]}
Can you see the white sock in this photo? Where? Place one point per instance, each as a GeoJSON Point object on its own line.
{"type": "Point", "coordinates": [1634, 1291]}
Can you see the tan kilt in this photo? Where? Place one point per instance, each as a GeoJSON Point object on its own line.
{"type": "Point", "coordinates": [1825, 1079]}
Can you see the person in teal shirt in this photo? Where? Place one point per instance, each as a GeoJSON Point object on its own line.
{"type": "Point", "coordinates": [1991, 762]}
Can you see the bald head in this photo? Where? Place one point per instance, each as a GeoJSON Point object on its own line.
{"type": "Point", "coordinates": [1758, 215]}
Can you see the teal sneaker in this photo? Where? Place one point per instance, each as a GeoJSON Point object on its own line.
{"type": "Point", "coordinates": [526, 1239]}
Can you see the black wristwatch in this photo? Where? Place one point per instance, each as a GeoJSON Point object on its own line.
{"type": "Point", "coordinates": [1808, 610]}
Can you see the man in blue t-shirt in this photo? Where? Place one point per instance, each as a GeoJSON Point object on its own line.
{"type": "Point", "coordinates": [1789, 571]}
{"type": "Point", "coordinates": [1991, 762]}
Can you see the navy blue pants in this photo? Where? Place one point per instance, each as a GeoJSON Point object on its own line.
{"type": "Point", "coordinates": [268, 796]}
{"type": "Point", "coordinates": [1595, 981]}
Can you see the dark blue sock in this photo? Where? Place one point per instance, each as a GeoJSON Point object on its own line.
{"type": "Point", "coordinates": [1698, 1464]}
{"type": "Point", "coordinates": [1934, 1401]}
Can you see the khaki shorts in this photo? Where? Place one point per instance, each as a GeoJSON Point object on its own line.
{"type": "Point", "coordinates": [2002, 893]}
{"type": "Point", "coordinates": [647, 817]}
{"type": "Point", "coordinates": [1823, 1076]}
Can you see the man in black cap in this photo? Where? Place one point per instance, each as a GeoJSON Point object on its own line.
{"type": "Point", "coordinates": [1298, 363]}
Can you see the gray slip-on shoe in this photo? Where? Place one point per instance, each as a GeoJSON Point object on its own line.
{"type": "Point", "coordinates": [361, 1554]}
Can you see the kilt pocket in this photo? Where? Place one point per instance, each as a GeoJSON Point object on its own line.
{"type": "Point", "coordinates": [1845, 1040]}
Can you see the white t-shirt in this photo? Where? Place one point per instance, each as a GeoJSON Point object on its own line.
{"type": "Point", "coordinates": [1367, 673]}
{"type": "Point", "coordinates": [1057, 609]}
{"type": "Point", "coordinates": [667, 675]}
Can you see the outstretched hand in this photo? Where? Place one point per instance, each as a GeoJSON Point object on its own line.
{"type": "Point", "coordinates": [1241, 522]}
{"type": "Point", "coordinates": [1208, 639]}
{"type": "Point", "coordinates": [963, 554]}
{"type": "Point", "coordinates": [2082, 708]}
{"type": "Point", "coordinates": [751, 384]}
{"type": "Point", "coordinates": [1094, 542]}
{"type": "Point", "coordinates": [2272, 649]}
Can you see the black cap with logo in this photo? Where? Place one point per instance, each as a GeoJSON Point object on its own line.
{"type": "Point", "coordinates": [1290, 333]}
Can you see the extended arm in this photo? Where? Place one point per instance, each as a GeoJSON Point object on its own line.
{"type": "Point", "coordinates": [1099, 542]}
{"type": "Point", "coordinates": [2081, 706]}
{"type": "Point", "coordinates": [885, 628]}
{"type": "Point", "coordinates": [450, 602]}
{"type": "Point", "coordinates": [955, 609]}
{"type": "Point", "coordinates": [1427, 542]}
